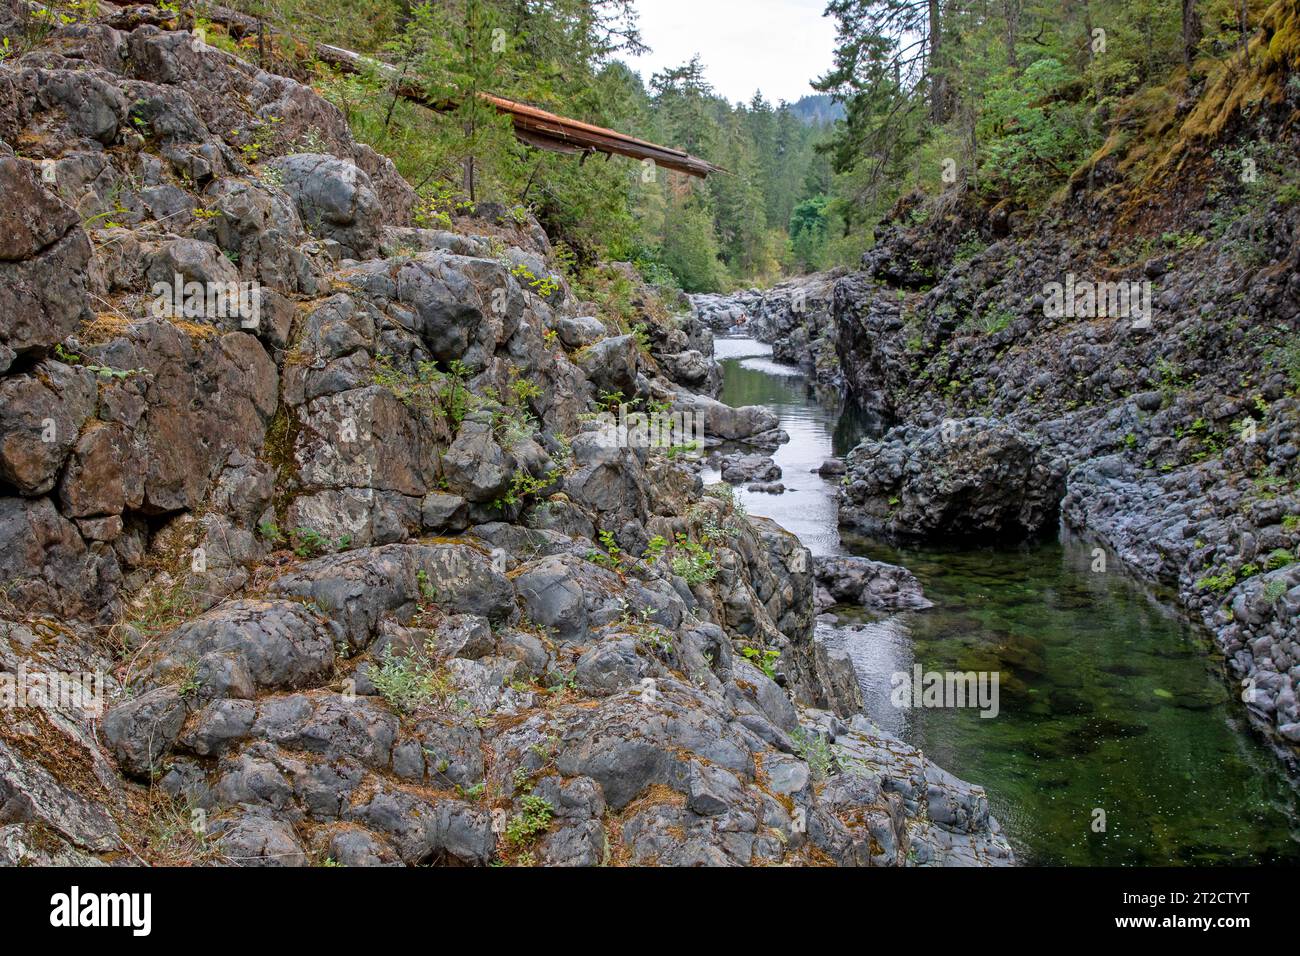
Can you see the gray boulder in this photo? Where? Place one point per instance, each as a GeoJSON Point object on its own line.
{"type": "Point", "coordinates": [44, 255]}
{"type": "Point", "coordinates": [578, 331]}
{"type": "Point", "coordinates": [976, 477]}
{"type": "Point", "coordinates": [611, 364]}
{"type": "Point", "coordinates": [144, 728]}
{"type": "Point", "coordinates": [247, 647]}
{"type": "Point", "coordinates": [873, 584]}
{"type": "Point", "coordinates": [41, 415]}
{"type": "Point", "coordinates": [335, 200]}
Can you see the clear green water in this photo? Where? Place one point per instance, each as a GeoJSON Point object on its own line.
{"type": "Point", "coordinates": [1109, 700]}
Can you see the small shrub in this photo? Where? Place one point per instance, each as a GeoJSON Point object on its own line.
{"type": "Point", "coordinates": [1274, 590]}
{"type": "Point", "coordinates": [1279, 558]}
{"type": "Point", "coordinates": [695, 564]}
{"type": "Point", "coordinates": [1219, 583]}
{"type": "Point", "coordinates": [815, 751]}
{"type": "Point", "coordinates": [994, 321]}
{"type": "Point", "coordinates": [408, 683]}
{"type": "Point", "coordinates": [534, 820]}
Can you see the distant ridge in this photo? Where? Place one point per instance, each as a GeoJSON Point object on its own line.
{"type": "Point", "coordinates": [817, 110]}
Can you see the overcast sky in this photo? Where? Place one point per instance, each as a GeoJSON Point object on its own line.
{"type": "Point", "coordinates": [746, 45]}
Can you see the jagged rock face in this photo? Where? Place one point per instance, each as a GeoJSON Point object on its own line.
{"type": "Point", "coordinates": [336, 201]}
{"type": "Point", "coordinates": [975, 478]}
{"type": "Point", "coordinates": [42, 413]}
{"type": "Point", "coordinates": [43, 260]}
{"type": "Point", "coordinates": [683, 350]}
{"type": "Point", "coordinates": [377, 582]}
{"type": "Point", "coordinates": [871, 345]}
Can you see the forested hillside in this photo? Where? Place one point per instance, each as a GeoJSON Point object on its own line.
{"type": "Point", "coordinates": [1013, 100]}
{"type": "Point", "coordinates": [324, 534]}
{"type": "Point", "coordinates": [1003, 100]}
{"type": "Point", "coordinates": [564, 56]}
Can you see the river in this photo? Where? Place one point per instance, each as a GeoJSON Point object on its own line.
{"type": "Point", "coordinates": [1118, 741]}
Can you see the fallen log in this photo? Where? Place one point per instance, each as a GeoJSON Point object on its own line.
{"type": "Point", "coordinates": [532, 125]}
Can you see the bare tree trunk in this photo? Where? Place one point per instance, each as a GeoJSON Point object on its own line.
{"type": "Point", "coordinates": [938, 79]}
{"type": "Point", "coordinates": [973, 146]}
{"type": "Point", "coordinates": [1243, 17]}
{"type": "Point", "coordinates": [1011, 13]}
{"type": "Point", "coordinates": [1087, 29]}
{"type": "Point", "coordinates": [1191, 33]}
{"type": "Point", "coordinates": [469, 162]}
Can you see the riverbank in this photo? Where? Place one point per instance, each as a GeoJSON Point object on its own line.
{"type": "Point", "coordinates": [1111, 700]}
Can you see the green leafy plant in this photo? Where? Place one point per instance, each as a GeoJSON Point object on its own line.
{"type": "Point", "coordinates": [1220, 583]}
{"type": "Point", "coordinates": [271, 532]}
{"type": "Point", "coordinates": [308, 542]}
{"type": "Point", "coordinates": [444, 395]}
{"type": "Point", "coordinates": [1279, 558]}
{"type": "Point", "coordinates": [256, 141]}
{"type": "Point", "coordinates": [642, 625]}
{"type": "Point", "coordinates": [524, 486]}
{"type": "Point", "coordinates": [409, 682]}
{"type": "Point", "coordinates": [545, 287]}
{"type": "Point", "coordinates": [1287, 359]}
{"type": "Point", "coordinates": [655, 549]}
{"type": "Point", "coordinates": [993, 321]}
{"type": "Point", "coordinates": [1274, 590]}
{"type": "Point", "coordinates": [428, 593]}
{"type": "Point", "coordinates": [815, 750]}
{"type": "Point", "coordinates": [533, 820]}
{"type": "Point", "coordinates": [612, 556]}
{"type": "Point", "coordinates": [763, 658]}
{"type": "Point", "coordinates": [190, 684]}
{"type": "Point", "coordinates": [695, 564]}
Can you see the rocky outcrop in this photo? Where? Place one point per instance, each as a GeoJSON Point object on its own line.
{"type": "Point", "coordinates": [739, 468]}
{"type": "Point", "coordinates": [974, 478]}
{"type": "Point", "coordinates": [796, 317]}
{"type": "Point", "coordinates": [871, 584]}
{"type": "Point", "coordinates": [753, 425]}
{"type": "Point", "coordinates": [367, 575]}
{"type": "Point", "coordinates": [43, 259]}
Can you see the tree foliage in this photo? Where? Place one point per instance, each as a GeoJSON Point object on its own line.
{"type": "Point", "coordinates": [564, 55]}
{"type": "Point", "coordinates": [1010, 100]}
